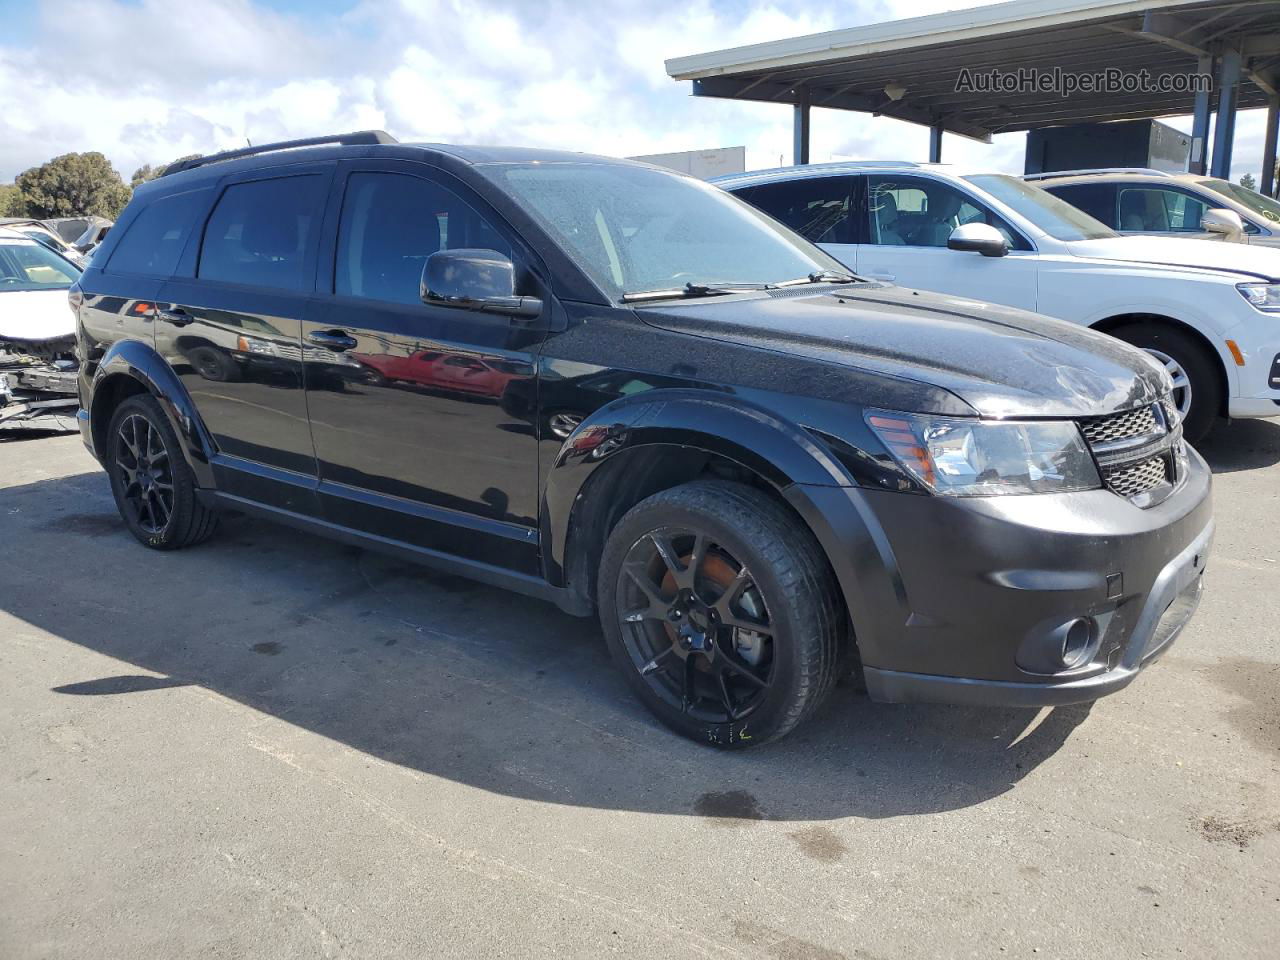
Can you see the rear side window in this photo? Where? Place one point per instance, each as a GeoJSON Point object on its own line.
{"type": "Point", "coordinates": [1098, 200]}
{"type": "Point", "coordinates": [154, 242]}
{"type": "Point", "coordinates": [391, 223]}
{"type": "Point", "coordinates": [817, 208]}
{"type": "Point", "coordinates": [260, 232]}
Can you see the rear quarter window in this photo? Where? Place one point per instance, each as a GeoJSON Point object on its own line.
{"type": "Point", "coordinates": [153, 243]}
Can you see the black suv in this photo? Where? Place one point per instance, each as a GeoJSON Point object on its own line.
{"type": "Point", "coordinates": [628, 392]}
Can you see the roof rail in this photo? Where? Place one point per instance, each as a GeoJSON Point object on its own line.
{"type": "Point", "coordinates": [1138, 171]}
{"type": "Point", "coordinates": [359, 138]}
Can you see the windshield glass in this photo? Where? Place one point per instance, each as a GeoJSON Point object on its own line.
{"type": "Point", "coordinates": [1054, 216]}
{"type": "Point", "coordinates": [30, 266]}
{"type": "Point", "coordinates": [634, 229]}
{"type": "Point", "coordinates": [1250, 198]}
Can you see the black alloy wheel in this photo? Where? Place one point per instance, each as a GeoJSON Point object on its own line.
{"type": "Point", "coordinates": [696, 625]}
{"type": "Point", "coordinates": [153, 486]}
{"type": "Point", "coordinates": [722, 611]}
{"type": "Point", "coordinates": [146, 475]}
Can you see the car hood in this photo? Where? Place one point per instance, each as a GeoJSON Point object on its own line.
{"type": "Point", "coordinates": [1245, 261]}
{"type": "Point", "coordinates": [35, 315]}
{"type": "Point", "coordinates": [1000, 361]}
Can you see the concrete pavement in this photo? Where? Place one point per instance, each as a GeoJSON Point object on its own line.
{"type": "Point", "coordinates": [277, 746]}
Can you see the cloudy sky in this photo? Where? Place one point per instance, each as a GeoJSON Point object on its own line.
{"type": "Point", "coordinates": [145, 81]}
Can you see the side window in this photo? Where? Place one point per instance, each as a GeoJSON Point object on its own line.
{"type": "Point", "coordinates": [154, 241]}
{"type": "Point", "coordinates": [391, 223]}
{"type": "Point", "coordinates": [1098, 200]}
{"type": "Point", "coordinates": [260, 231]}
{"type": "Point", "coordinates": [912, 212]}
{"type": "Point", "coordinates": [817, 208]}
{"type": "Point", "coordinates": [1158, 210]}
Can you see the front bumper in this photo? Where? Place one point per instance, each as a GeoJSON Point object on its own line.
{"type": "Point", "coordinates": [961, 600]}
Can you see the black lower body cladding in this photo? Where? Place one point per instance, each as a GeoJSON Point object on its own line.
{"type": "Point", "coordinates": [1013, 601]}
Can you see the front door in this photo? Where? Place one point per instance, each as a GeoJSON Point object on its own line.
{"type": "Point", "coordinates": [906, 223]}
{"type": "Point", "coordinates": [233, 332]}
{"type": "Point", "coordinates": [406, 399]}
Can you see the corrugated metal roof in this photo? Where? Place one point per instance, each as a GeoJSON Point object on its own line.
{"type": "Point", "coordinates": [850, 69]}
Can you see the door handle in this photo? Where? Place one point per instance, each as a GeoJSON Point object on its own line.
{"type": "Point", "coordinates": [177, 316]}
{"type": "Point", "coordinates": [335, 340]}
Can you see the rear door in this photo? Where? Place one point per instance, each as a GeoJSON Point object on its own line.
{"type": "Point", "coordinates": [232, 329]}
{"type": "Point", "coordinates": [407, 403]}
{"type": "Point", "coordinates": [906, 221]}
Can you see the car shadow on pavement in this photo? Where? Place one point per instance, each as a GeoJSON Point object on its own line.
{"type": "Point", "coordinates": [458, 680]}
{"type": "Point", "coordinates": [1242, 445]}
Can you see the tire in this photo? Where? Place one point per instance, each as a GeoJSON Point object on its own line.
{"type": "Point", "coordinates": [1179, 352]}
{"type": "Point", "coordinates": [153, 486]}
{"type": "Point", "coordinates": [755, 567]}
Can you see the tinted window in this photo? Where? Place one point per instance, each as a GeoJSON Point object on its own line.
{"type": "Point", "coordinates": [259, 232]}
{"type": "Point", "coordinates": [817, 208]}
{"type": "Point", "coordinates": [1157, 210]}
{"type": "Point", "coordinates": [391, 223]}
{"type": "Point", "coordinates": [913, 212]}
{"type": "Point", "coordinates": [1098, 200]}
{"type": "Point", "coordinates": [155, 240]}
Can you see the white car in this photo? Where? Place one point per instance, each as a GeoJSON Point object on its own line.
{"type": "Point", "coordinates": [1208, 311]}
{"type": "Point", "coordinates": [1171, 204]}
{"type": "Point", "coordinates": [35, 319]}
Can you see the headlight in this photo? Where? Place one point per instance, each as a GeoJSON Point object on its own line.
{"type": "Point", "coordinates": [1264, 296]}
{"type": "Point", "coordinates": [978, 458]}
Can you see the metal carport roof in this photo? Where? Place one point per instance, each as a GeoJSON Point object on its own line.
{"type": "Point", "coordinates": [919, 61]}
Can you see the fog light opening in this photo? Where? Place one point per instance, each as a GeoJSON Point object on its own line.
{"type": "Point", "coordinates": [1077, 641]}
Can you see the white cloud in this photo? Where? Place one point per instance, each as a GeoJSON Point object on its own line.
{"type": "Point", "coordinates": [207, 74]}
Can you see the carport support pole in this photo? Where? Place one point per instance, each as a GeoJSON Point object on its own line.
{"type": "Point", "coordinates": [935, 143]}
{"type": "Point", "coordinates": [800, 147]}
{"type": "Point", "coordinates": [1267, 183]}
{"type": "Point", "coordinates": [1224, 132]}
{"type": "Point", "coordinates": [1200, 123]}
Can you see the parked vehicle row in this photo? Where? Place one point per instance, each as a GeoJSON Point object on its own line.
{"type": "Point", "coordinates": [1206, 311]}
{"type": "Point", "coordinates": [631, 393]}
{"type": "Point", "coordinates": [1176, 205]}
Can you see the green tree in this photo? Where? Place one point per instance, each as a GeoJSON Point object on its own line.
{"type": "Point", "coordinates": [74, 185]}
{"type": "Point", "coordinates": [1248, 182]}
{"type": "Point", "coordinates": [11, 202]}
{"type": "Point", "coordinates": [148, 172]}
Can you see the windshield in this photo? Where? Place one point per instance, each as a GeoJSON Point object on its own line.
{"type": "Point", "coordinates": [1054, 216]}
{"type": "Point", "coordinates": [1250, 198]}
{"type": "Point", "coordinates": [635, 229]}
{"type": "Point", "coordinates": [30, 266]}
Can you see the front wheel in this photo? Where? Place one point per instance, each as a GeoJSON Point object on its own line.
{"type": "Point", "coordinates": [722, 613]}
{"type": "Point", "coordinates": [1196, 376]}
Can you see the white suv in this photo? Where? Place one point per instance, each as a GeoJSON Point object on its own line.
{"type": "Point", "coordinates": [1209, 312]}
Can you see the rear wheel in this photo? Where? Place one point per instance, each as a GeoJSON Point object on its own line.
{"type": "Point", "coordinates": [1197, 378]}
{"type": "Point", "coordinates": [722, 613]}
{"type": "Point", "coordinates": [153, 487]}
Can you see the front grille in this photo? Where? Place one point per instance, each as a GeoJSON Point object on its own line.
{"type": "Point", "coordinates": [1124, 444]}
{"type": "Point", "coordinates": [1129, 481]}
{"type": "Point", "coordinates": [1121, 426]}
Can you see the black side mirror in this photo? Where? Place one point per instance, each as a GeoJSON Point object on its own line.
{"type": "Point", "coordinates": [978, 238]}
{"type": "Point", "coordinates": [473, 279]}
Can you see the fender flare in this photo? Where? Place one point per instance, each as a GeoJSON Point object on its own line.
{"type": "Point", "coordinates": [140, 361]}
{"type": "Point", "coordinates": [783, 453]}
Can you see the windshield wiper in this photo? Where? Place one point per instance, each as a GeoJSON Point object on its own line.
{"type": "Point", "coordinates": [691, 290]}
{"type": "Point", "coordinates": [824, 277]}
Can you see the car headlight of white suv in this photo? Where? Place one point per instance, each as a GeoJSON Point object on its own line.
{"type": "Point", "coordinates": [1264, 296]}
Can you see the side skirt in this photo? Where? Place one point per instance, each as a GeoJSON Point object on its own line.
{"type": "Point", "coordinates": [523, 583]}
